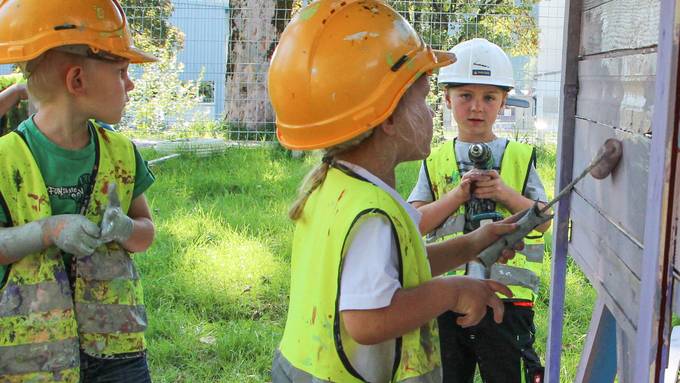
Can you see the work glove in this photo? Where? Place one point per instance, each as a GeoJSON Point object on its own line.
{"type": "Point", "coordinates": [73, 234]}
{"type": "Point", "coordinates": [116, 225]}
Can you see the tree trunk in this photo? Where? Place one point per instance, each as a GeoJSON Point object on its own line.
{"type": "Point", "coordinates": [255, 28]}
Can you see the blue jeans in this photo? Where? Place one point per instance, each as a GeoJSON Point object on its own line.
{"type": "Point", "coordinates": [131, 370]}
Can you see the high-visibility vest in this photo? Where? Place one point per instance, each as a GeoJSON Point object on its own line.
{"type": "Point", "coordinates": [314, 340]}
{"type": "Point", "coordinates": [108, 296]}
{"type": "Point", "coordinates": [38, 330]}
{"type": "Point", "coordinates": [521, 274]}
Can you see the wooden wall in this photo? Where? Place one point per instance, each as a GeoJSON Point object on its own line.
{"type": "Point", "coordinates": [615, 98]}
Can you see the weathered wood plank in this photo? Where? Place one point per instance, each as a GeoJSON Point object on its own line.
{"type": "Point", "coordinates": [655, 286]}
{"type": "Point", "coordinates": [620, 197]}
{"type": "Point", "coordinates": [565, 154]}
{"type": "Point", "coordinates": [603, 238]}
{"type": "Point", "coordinates": [618, 25]}
{"type": "Point", "coordinates": [618, 91]}
{"type": "Point", "coordinates": [625, 347]}
{"type": "Point", "coordinates": [592, 250]}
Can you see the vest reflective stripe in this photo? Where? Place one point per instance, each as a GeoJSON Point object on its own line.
{"type": "Point", "coordinates": [67, 375]}
{"type": "Point", "coordinates": [62, 355]}
{"type": "Point", "coordinates": [109, 298]}
{"type": "Point", "coordinates": [516, 276]}
{"type": "Point", "coordinates": [314, 340]}
{"type": "Point", "coordinates": [284, 370]}
{"type": "Point", "coordinates": [10, 303]}
{"type": "Point", "coordinates": [38, 332]}
{"type": "Point", "coordinates": [444, 176]}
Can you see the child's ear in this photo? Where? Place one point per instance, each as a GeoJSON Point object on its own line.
{"type": "Point", "coordinates": [447, 97]}
{"type": "Point", "coordinates": [505, 98]}
{"type": "Point", "coordinates": [75, 80]}
{"type": "Point", "coordinates": [388, 126]}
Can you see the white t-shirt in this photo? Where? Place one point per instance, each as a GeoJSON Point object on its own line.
{"type": "Point", "coordinates": [370, 277]}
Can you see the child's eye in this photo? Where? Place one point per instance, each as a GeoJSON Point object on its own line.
{"type": "Point", "coordinates": [465, 96]}
{"type": "Point", "coordinates": [490, 98]}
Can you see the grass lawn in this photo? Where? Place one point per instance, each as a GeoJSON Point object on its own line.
{"type": "Point", "coordinates": [216, 278]}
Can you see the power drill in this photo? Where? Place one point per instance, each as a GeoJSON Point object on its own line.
{"type": "Point", "coordinates": [480, 210]}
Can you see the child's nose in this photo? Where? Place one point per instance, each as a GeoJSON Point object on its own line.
{"type": "Point", "coordinates": [130, 85]}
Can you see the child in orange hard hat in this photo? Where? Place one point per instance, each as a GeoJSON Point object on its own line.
{"type": "Point", "coordinates": [351, 78]}
{"type": "Point", "coordinates": [72, 205]}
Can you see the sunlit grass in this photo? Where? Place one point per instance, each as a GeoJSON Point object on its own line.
{"type": "Point", "coordinates": [216, 279]}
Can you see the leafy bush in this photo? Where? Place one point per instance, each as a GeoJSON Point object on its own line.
{"type": "Point", "coordinates": [17, 114]}
{"type": "Point", "coordinates": [162, 103]}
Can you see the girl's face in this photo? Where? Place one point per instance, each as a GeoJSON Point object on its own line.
{"type": "Point", "coordinates": [414, 120]}
{"type": "Point", "coordinates": [475, 108]}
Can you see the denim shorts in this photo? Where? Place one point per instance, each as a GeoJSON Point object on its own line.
{"type": "Point", "coordinates": [123, 370]}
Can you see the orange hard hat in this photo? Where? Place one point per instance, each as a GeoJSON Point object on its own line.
{"type": "Point", "coordinates": [30, 28]}
{"type": "Point", "coordinates": [340, 69]}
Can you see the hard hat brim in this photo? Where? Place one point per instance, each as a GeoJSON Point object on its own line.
{"type": "Point", "coordinates": [442, 59]}
{"type": "Point", "coordinates": [137, 56]}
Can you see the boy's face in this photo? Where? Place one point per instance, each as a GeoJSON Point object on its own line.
{"type": "Point", "coordinates": [109, 87]}
{"type": "Point", "coordinates": [475, 108]}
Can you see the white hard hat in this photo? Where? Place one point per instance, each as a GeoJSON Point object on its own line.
{"type": "Point", "coordinates": [479, 61]}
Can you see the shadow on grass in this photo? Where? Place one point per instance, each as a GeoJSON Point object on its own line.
{"type": "Point", "coordinates": [216, 278]}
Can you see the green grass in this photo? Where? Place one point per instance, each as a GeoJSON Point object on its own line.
{"type": "Point", "coordinates": [216, 277]}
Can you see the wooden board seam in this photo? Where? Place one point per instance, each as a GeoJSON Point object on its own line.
{"type": "Point", "coordinates": [609, 220]}
{"type": "Point", "coordinates": [618, 129]}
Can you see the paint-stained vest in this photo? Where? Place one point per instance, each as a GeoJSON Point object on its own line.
{"type": "Point", "coordinates": [38, 331]}
{"type": "Point", "coordinates": [108, 295]}
{"type": "Point", "coordinates": [521, 273]}
{"type": "Point", "coordinates": [314, 340]}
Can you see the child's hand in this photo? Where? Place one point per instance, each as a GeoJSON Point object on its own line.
{"type": "Point", "coordinates": [462, 191]}
{"type": "Point", "coordinates": [20, 91]}
{"type": "Point", "coordinates": [492, 188]}
{"type": "Point", "coordinates": [474, 295]}
{"type": "Point", "coordinates": [116, 225]}
{"type": "Point", "coordinates": [72, 233]}
{"type": "Point", "coordinates": [489, 233]}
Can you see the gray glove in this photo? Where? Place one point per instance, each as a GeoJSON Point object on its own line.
{"type": "Point", "coordinates": [116, 225]}
{"type": "Point", "coordinates": [73, 233]}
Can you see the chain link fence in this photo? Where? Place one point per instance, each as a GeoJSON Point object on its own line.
{"type": "Point", "coordinates": [211, 80]}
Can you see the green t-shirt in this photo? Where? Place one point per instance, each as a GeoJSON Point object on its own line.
{"type": "Point", "coordinates": [67, 173]}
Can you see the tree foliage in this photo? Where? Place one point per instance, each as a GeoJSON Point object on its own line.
{"type": "Point", "coordinates": [443, 23]}
{"type": "Point", "coordinates": [19, 112]}
{"type": "Point", "coordinates": [161, 102]}
{"type": "Point", "coordinates": [150, 18]}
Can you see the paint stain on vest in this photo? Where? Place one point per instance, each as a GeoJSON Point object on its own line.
{"type": "Point", "coordinates": [105, 187]}
{"type": "Point", "coordinates": [426, 340]}
{"type": "Point", "coordinates": [123, 175]}
{"type": "Point", "coordinates": [42, 200]}
{"type": "Point", "coordinates": [314, 315]}
{"type": "Point", "coordinates": [104, 134]}
{"type": "Point", "coordinates": [18, 179]}
{"type": "Point", "coordinates": [341, 195]}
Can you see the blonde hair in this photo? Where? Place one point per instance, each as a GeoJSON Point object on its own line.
{"type": "Point", "coordinates": [317, 175]}
{"type": "Point", "coordinates": [45, 74]}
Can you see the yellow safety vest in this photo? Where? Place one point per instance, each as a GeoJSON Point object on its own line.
{"type": "Point", "coordinates": [314, 340]}
{"type": "Point", "coordinates": [38, 330]}
{"type": "Point", "coordinates": [443, 174]}
{"type": "Point", "coordinates": [108, 297]}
